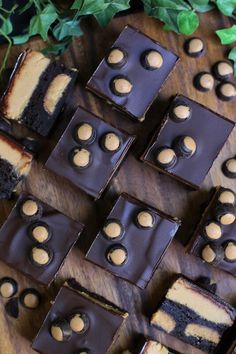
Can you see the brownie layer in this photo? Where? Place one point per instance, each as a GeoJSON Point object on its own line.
{"type": "Point", "coordinates": [15, 163]}
{"type": "Point", "coordinates": [194, 315]}
{"type": "Point", "coordinates": [37, 90]}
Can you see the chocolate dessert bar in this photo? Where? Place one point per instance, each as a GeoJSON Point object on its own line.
{"type": "Point", "coordinates": [15, 163]}
{"type": "Point", "coordinates": [214, 239]}
{"type": "Point", "coordinates": [194, 315]}
{"type": "Point", "coordinates": [36, 91]}
{"type": "Point", "coordinates": [121, 248]}
{"type": "Point", "coordinates": [36, 238]}
{"type": "Point", "coordinates": [150, 346]}
{"type": "Point", "coordinates": [136, 64]}
{"type": "Point", "coordinates": [79, 322]}
{"type": "Point", "coordinates": [188, 141]}
{"type": "Point", "coordinates": [89, 152]}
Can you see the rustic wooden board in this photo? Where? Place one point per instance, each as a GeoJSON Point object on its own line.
{"type": "Point", "coordinates": [134, 178]}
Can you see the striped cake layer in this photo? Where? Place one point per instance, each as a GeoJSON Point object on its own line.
{"type": "Point", "coordinates": [36, 91]}
{"type": "Point", "coordinates": [194, 315]}
{"type": "Point", "coordinates": [15, 163]}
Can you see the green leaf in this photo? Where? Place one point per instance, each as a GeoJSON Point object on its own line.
{"type": "Point", "coordinates": [166, 4]}
{"type": "Point", "coordinates": [188, 22]}
{"type": "Point", "coordinates": [21, 39]}
{"type": "Point", "coordinates": [232, 56]}
{"type": "Point", "coordinates": [227, 35]}
{"type": "Point", "coordinates": [7, 26]}
{"type": "Point", "coordinates": [41, 23]}
{"type": "Point", "coordinates": [89, 7]}
{"type": "Point", "coordinates": [58, 48]}
{"type": "Point", "coordinates": [169, 17]}
{"type": "Point", "coordinates": [201, 5]}
{"type": "Point", "coordinates": [113, 7]}
{"type": "Point", "coordinates": [227, 7]}
{"type": "Point", "coordinates": [26, 7]}
{"type": "Point", "coordinates": [67, 27]}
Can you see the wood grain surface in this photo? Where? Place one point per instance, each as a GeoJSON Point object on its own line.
{"type": "Point", "coordinates": [134, 178]}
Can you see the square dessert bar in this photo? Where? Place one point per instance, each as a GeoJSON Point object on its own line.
{"type": "Point", "coordinates": [133, 240]}
{"type": "Point", "coordinates": [36, 238]}
{"type": "Point", "coordinates": [188, 141]}
{"type": "Point", "coordinates": [89, 152]}
{"type": "Point", "coordinates": [149, 346]}
{"type": "Point", "coordinates": [79, 322]}
{"type": "Point", "coordinates": [133, 72]}
{"type": "Point", "coordinates": [194, 315]}
{"type": "Point", "coordinates": [214, 239]}
{"type": "Point", "coordinates": [36, 91]}
{"type": "Point", "coordinates": [15, 163]}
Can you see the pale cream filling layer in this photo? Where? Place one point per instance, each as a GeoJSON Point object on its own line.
{"type": "Point", "coordinates": [153, 347]}
{"type": "Point", "coordinates": [203, 332]}
{"type": "Point", "coordinates": [24, 83]}
{"type": "Point", "coordinates": [183, 293]}
{"type": "Point", "coordinates": [55, 91]}
{"type": "Point", "coordinates": [164, 320]}
{"type": "Point", "coordinates": [20, 159]}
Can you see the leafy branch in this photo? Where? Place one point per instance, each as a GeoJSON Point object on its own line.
{"type": "Point", "coordinates": [58, 27]}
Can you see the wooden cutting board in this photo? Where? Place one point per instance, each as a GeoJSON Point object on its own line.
{"type": "Point", "coordinates": [134, 178]}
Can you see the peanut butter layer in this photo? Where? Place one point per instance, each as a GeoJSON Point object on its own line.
{"type": "Point", "coordinates": [206, 333]}
{"type": "Point", "coordinates": [23, 84]}
{"type": "Point", "coordinates": [15, 155]}
{"type": "Point", "coordinates": [163, 320]}
{"type": "Point", "coordinates": [153, 347]}
{"type": "Point", "coordinates": [182, 292]}
{"type": "Point", "coordinates": [55, 92]}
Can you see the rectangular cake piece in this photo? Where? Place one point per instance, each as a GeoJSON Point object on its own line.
{"type": "Point", "coordinates": [150, 346]}
{"type": "Point", "coordinates": [89, 152]}
{"type": "Point", "coordinates": [133, 72]}
{"type": "Point", "coordinates": [79, 322]}
{"type": "Point", "coordinates": [194, 315]}
{"type": "Point", "coordinates": [36, 91]}
{"type": "Point", "coordinates": [188, 141]}
{"type": "Point", "coordinates": [36, 238]}
{"type": "Point", "coordinates": [214, 239]}
{"type": "Point", "coordinates": [133, 240]}
{"type": "Point", "coordinates": [15, 163]}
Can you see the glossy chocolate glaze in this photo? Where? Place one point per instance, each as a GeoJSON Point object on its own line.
{"type": "Point", "coordinates": [98, 338]}
{"type": "Point", "coordinates": [209, 130]}
{"type": "Point", "coordinates": [146, 83]}
{"type": "Point", "coordinates": [94, 178]}
{"type": "Point", "coordinates": [145, 247]}
{"type": "Point", "coordinates": [15, 242]}
{"type": "Point", "coordinates": [198, 241]}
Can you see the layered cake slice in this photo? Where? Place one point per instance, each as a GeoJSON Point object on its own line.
{"type": "Point", "coordinates": [194, 315]}
{"type": "Point", "coordinates": [15, 164]}
{"type": "Point", "coordinates": [36, 91]}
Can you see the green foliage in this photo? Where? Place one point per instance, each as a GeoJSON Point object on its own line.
{"type": "Point", "coordinates": [227, 35]}
{"type": "Point", "coordinates": [188, 22]}
{"type": "Point", "coordinates": [232, 56]}
{"type": "Point", "coordinates": [58, 27]}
